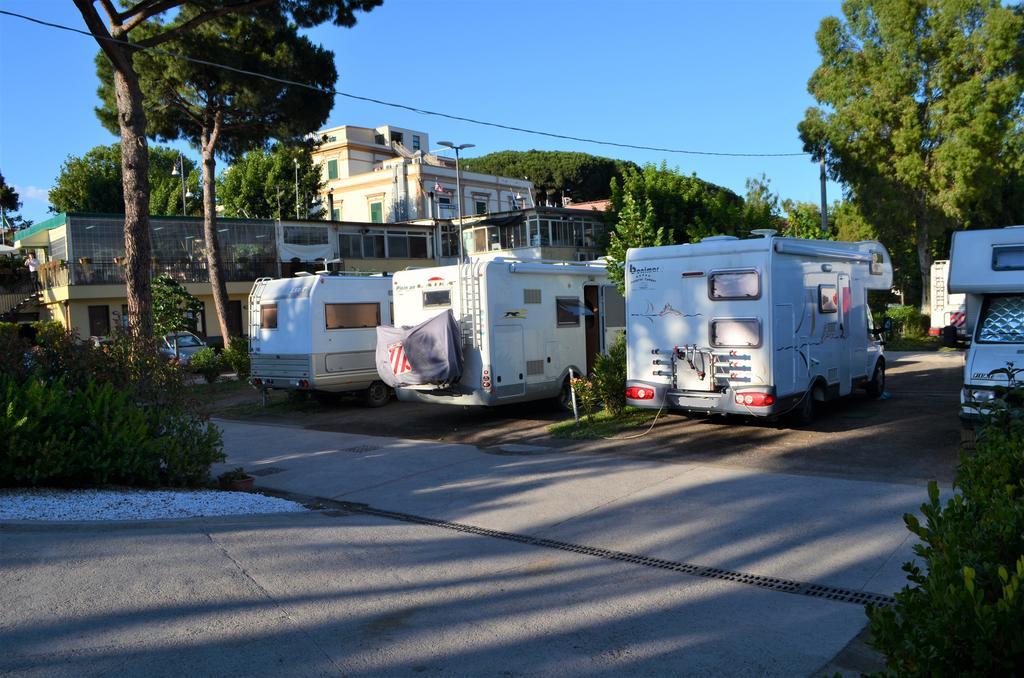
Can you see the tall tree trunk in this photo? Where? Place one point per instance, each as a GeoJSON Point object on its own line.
{"type": "Point", "coordinates": [924, 260]}
{"type": "Point", "coordinates": [135, 180]}
{"type": "Point", "coordinates": [213, 259]}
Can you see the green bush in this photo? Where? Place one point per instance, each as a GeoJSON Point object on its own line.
{"type": "Point", "coordinates": [610, 377]}
{"type": "Point", "coordinates": [908, 320]}
{"type": "Point", "coordinates": [206, 363]}
{"type": "Point", "coordinates": [236, 357]}
{"type": "Point", "coordinates": [80, 416]}
{"type": "Point", "coordinates": [586, 396]}
{"type": "Point", "coordinates": [964, 611]}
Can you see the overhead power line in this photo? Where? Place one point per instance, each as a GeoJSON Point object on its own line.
{"type": "Point", "coordinates": [391, 104]}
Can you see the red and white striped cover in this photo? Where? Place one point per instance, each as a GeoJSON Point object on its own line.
{"type": "Point", "coordinates": [396, 356]}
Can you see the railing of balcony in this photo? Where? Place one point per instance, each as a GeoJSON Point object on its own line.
{"type": "Point", "coordinates": [112, 273]}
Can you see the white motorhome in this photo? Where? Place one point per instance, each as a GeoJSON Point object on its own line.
{"type": "Point", "coordinates": [525, 324]}
{"type": "Point", "coordinates": [761, 326]}
{"type": "Point", "coordinates": [988, 267]}
{"type": "Point", "coordinates": [947, 309]}
{"type": "Point", "coordinates": [318, 333]}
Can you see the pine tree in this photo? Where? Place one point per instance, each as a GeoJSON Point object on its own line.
{"type": "Point", "coordinates": [635, 228]}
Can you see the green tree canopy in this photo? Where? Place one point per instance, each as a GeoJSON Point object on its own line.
{"type": "Point", "coordinates": [921, 113]}
{"type": "Point", "coordinates": [10, 201]}
{"type": "Point", "coordinates": [92, 182]}
{"type": "Point", "coordinates": [636, 227]}
{"type": "Point", "coordinates": [261, 183]}
{"type": "Point", "coordinates": [761, 205]}
{"type": "Point", "coordinates": [174, 308]}
{"type": "Point", "coordinates": [687, 208]}
{"type": "Point", "coordinates": [580, 176]}
{"type": "Point", "coordinates": [803, 220]}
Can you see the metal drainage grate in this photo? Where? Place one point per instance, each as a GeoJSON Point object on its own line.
{"type": "Point", "coordinates": [267, 471]}
{"type": "Point", "coordinates": [360, 449]}
{"type": "Point", "coordinates": [772, 583]}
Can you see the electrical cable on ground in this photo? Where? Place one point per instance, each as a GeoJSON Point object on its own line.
{"type": "Point", "coordinates": [391, 104]}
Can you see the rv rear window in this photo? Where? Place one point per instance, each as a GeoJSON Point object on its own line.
{"type": "Point", "coordinates": [437, 298]}
{"type": "Point", "coordinates": [828, 299]}
{"type": "Point", "coordinates": [351, 316]}
{"type": "Point", "coordinates": [268, 317]}
{"type": "Point", "coordinates": [736, 333]}
{"type": "Point", "coordinates": [734, 285]}
{"type": "Point", "coordinates": [1008, 258]}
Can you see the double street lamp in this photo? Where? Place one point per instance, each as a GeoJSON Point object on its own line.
{"type": "Point", "coordinates": [458, 186]}
{"type": "Point", "coordinates": [179, 171]}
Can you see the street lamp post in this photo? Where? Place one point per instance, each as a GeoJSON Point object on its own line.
{"type": "Point", "coordinates": [458, 187]}
{"type": "Point", "coordinates": [179, 170]}
{"type": "Point", "coordinates": [296, 161]}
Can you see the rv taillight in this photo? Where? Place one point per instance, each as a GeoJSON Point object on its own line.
{"type": "Point", "coordinates": [485, 379]}
{"type": "Point", "coordinates": [640, 393]}
{"type": "Point", "coordinates": [755, 399]}
{"type": "Point", "coordinates": [303, 383]}
{"type": "Point", "coordinates": [257, 381]}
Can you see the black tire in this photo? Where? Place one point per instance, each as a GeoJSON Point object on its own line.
{"type": "Point", "coordinates": [378, 395]}
{"type": "Point", "coordinates": [563, 401]}
{"type": "Point", "coordinates": [876, 387]}
{"type": "Point", "coordinates": [803, 413]}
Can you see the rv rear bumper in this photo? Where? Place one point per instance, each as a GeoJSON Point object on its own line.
{"type": "Point", "coordinates": [708, 402]}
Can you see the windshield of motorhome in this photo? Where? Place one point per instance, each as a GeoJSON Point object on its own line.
{"type": "Point", "coordinates": [1002, 320]}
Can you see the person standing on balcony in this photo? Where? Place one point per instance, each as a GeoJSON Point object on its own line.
{"type": "Point", "coordinates": [33, 270]}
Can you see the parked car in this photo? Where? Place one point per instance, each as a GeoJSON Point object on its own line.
{"type": "Point", "coordinates": [188, 345]}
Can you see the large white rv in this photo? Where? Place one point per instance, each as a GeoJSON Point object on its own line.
{"type": "Point", "coordinates": [525, 325]}
{"type": "Point", "coordinates": [947, 309]}
{"type": "Point", "coordinates": [318, 333]}
{"type": "Point", "coordinates": [761, 326]}
{"type": "Point", "coordinates": [988, 267]}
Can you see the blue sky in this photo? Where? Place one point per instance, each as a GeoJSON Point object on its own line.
{"type": "Point", "coordinates": [708, 76]}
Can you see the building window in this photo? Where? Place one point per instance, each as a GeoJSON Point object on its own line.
{"type": "Point", "coordinates": [409, 244]}
{"type": "Point", "coordinates": [351, 316]}
{"type": "Point", "coordinates": [397, 137]}
{"type": "Point", "coordinates": [335, 214]}
{"type": "Point", "coordinates": [268, 316]}
{"type": "Point", "coordinates": [125, 320]}
{"type": "Point", "coordinates": [444, 208]}
{"type": "Point", "coordinates": [415, 142]}
{"type": "Point", "coordinates": [568, 311]}
{"type": "Point", "coordinates": [351, 245]}
{"type": "Point", "coordinates": [305, 235]}
{"type": "Point", "coordinates": [481, 205]}
{"type": "Point", "coordinates": [332, 169]}
{"type": "Point", "coordinates": [373, 245]}
{"type": "Point", "coordinates": [377, 212]}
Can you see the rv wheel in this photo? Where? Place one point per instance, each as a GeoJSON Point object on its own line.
{"type": "Point", "coordinates": [377, 395]}
{"type": "Point", "coordinates": [564, 398]}
{"type": "Point", "coordinates": [804, 412]}
{"type": "Point", "coordinates": [876, 386]}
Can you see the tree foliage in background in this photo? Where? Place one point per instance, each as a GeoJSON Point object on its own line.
{"type": "Point", "coordinates": [113, 33]}
{"type": "Point", "coordinates": [921, 113]}
{"type": "Point", "coordinates": [580, 176]}
{"type": "Point", "coordinates": [174, 308]}
{"type": "Point", "coordinates": [10, 201]}
{"type": "Point", "coordinates": [261, 184]}
{"type": "Point", "coordinates": [636, 227]}
{"type": "Point", "coordinates": [225, 113]}
{"type": "Point", "coordinates": [760, 206]}
{"type": "Point", "coordinates": [93, 183]}
{"type": "Point", "coordinates": [687, 208]}
{"type": "Point", "coordinates": [803, 220]}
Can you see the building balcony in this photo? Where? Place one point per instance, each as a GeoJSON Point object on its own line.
{"type": "Point", "coordinates": [56, 274]}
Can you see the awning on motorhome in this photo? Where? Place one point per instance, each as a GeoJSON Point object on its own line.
{"type": "Point", "coordinates": [509, 220]}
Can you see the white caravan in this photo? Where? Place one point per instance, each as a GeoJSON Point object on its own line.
{"type": "Point", "coordinates": [947, 309]}
{"type": "Point", "coordinates": [761, 326]}
{"type": "Point", "coordinates": [988, 266]}
{"type": "Point", "coordinates": [525, 325]}
{"type": "Point", "coordinates": [318, 333]}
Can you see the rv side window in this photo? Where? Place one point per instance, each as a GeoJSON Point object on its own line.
{"type": "Point", "coordinates": [268, 316]}
{"type": "Point", "coordinates": [1008, 258]}
{"type": "Point", "coordinates": [828, 299]}
{"type": "Point", "coordinates": [351, 316]}
{"type": "Point", "coordinates": [736, 333]}
{"type": "Point", "coordinates": [437, 298]}
{"type": "Point", "coordinates": [568, 311]}
{"type": "Point", "coordinates": [1002, 320]}
{"type": "Point", "coordinates": [734, 285]}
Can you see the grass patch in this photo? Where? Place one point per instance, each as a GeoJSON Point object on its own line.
{"type": "Point", "coordinates": [913, 344]}
{"type": "Point", "coordinates": [218, 389]}
{"type": "Point", "coordinates": [602, 424]}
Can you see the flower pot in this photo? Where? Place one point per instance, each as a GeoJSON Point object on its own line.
{"type": "Point", "coordinates": [238, 485]}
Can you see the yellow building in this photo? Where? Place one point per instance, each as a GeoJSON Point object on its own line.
{"type": "Point", "coordinates": [82, 255]}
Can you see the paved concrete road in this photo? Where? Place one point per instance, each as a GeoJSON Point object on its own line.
{"type": "Point", "coordinates": [911, 436]}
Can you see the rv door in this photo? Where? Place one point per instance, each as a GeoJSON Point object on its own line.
{"type": "Point", "coordinates": [612, 316]}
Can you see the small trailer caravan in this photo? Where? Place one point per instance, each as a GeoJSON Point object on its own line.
{"type": "Point", "coordinates": [524, 325]}
{"type": "Point", "coordinates": [988, 267]}
{"type": "Point", "coordinates": [318, 333]}
{"type": "Point", "coordinates": [760, 326]}
{"type": "Point", "coordinates": [947, 309]}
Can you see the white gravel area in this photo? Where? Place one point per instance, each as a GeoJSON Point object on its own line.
{"type": "Point", "coordinates": [64, 505]}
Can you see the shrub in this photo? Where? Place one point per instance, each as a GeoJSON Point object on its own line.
{"type": "Point", "coordinates": [236, 357]}
{"type": "Point", "coordinates": [610, 377]}
{"type": "Point", "coordinates": [964, 613]}
{"type": "Point", "coordinates": [586, 396]}
{"type": "Point", "coordinates": [206, 363]}
{"type": "Point", "coordinates": [909, 320]}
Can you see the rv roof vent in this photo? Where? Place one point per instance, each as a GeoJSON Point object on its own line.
{"type": "Point", "coordinates": [715, 238]}
{"type": "Point", "coordinates": [764, 232]}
